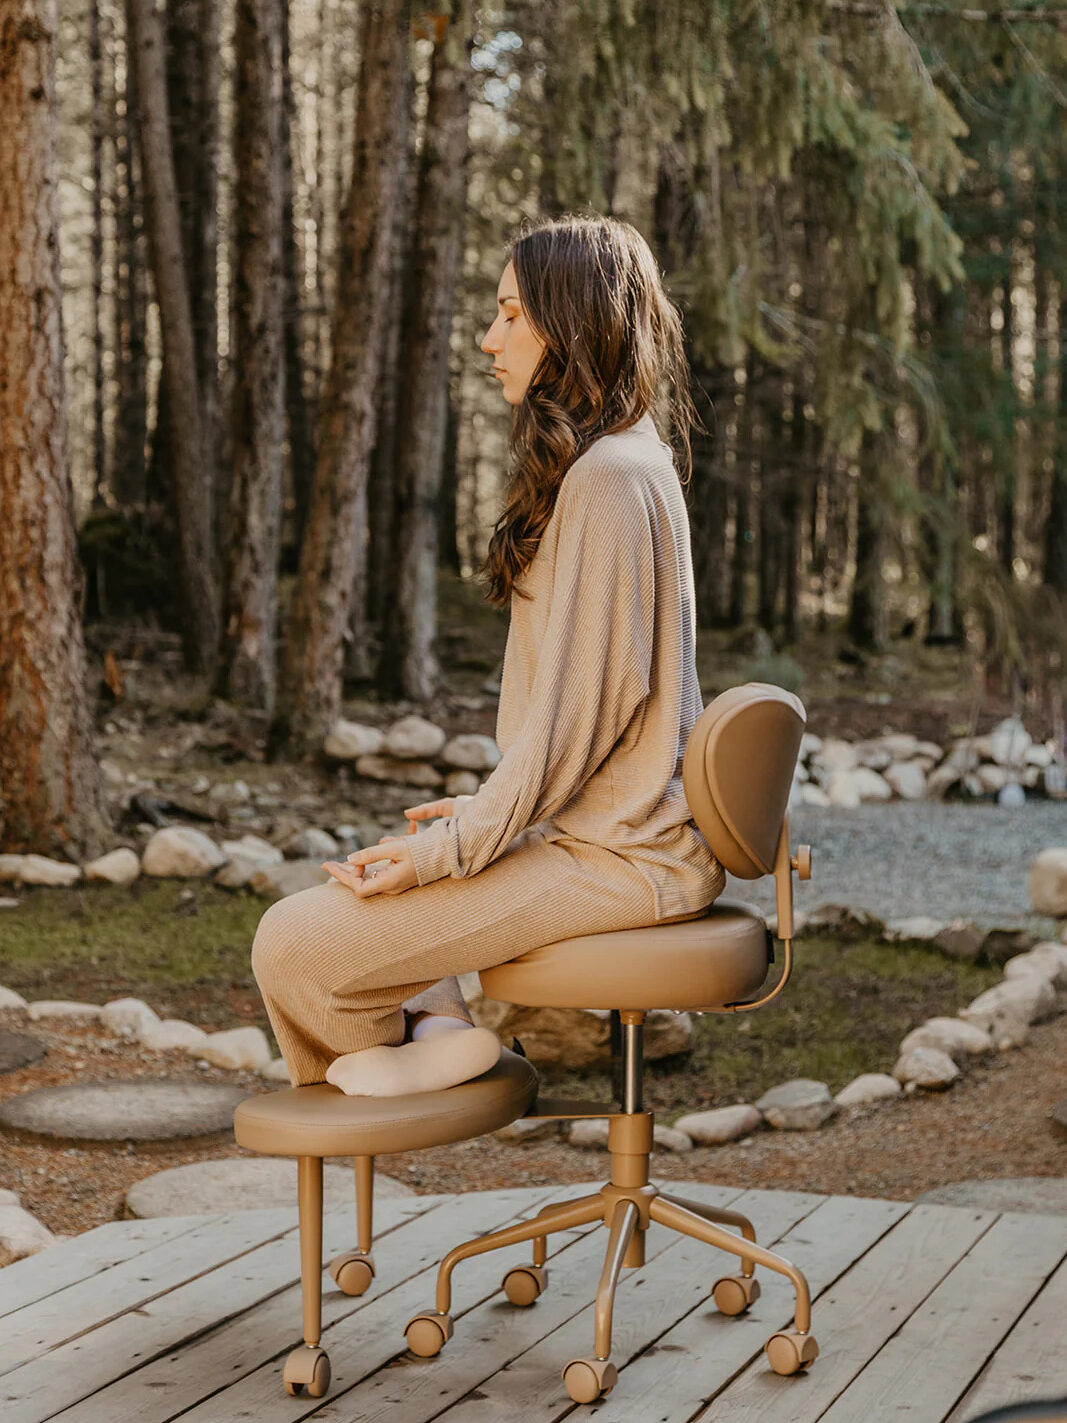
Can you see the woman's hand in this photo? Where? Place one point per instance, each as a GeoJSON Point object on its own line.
{"type": "Point", "coordinates": [400, 874]}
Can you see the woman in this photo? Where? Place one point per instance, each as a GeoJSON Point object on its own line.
{"type": "Point", "coordinates": [583, 826]}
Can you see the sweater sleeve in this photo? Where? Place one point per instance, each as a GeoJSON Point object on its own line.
{"type": "Point", "coordinates": [593, 672]}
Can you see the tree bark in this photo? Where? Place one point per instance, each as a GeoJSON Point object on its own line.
{"type": "Point", "coordinates": [193, 494]}
{"type": "Point", "coordinates": [247, 666]}
{"type": "Point", "coordinates": [1055, 570]}
{"type": "Point", "coordinates": [53, 796]}
{"type": "Point", "coordinates": [310, 691]}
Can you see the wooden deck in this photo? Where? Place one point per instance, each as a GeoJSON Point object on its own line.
{"type": "Point", "coordinates": [932, 1312]}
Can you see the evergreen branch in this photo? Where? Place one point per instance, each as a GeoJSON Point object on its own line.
{"type": "Point", "coordinates": [875, 11]}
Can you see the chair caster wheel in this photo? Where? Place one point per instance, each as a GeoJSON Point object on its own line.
{"type": "Point", "coordinates": [427, 1334]}
{"type": "Point", "coordinates": [733, 1294]}
{"type": "Point", "coordinates": [586, 1380]}
{"type": "Point", "coordinates": [352, 1272]}
{"type": "Point", "coordinates": [525, 1283]}
{"type": "Point", "coordinates": [307, 1368]}
{"type": "Point", "coordinates": [790, 1352]}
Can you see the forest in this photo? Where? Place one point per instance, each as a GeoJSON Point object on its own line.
{"type": "Point", "coordinates": [248, 249]}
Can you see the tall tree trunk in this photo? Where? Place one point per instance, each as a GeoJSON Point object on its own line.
{"type": "Point", "coordinates": [939, 528]}
{"type": "Point", "coordinates": [410, 667]}
{"type": "Point", "coordinates": [867, 626]}
{"type": "Point", "coordinates": [1006, 473]}
{"type": "Point", "coordinates": [310, 691]}
{"type": "Point", "coordinates": [247, 665]}
{"type": "Point", "coordinates": [301, 435]}
{"type": "Point", "coordinates": [200, 622]}
{"type": "Point", "coordinates": [1055, 570]}
{"type": "Point", "coordinates": [131, 301]}
{"type": "Point", "coordinates": [53, 795]}
{"type": "Point", "coordinates": [448, 512]}
{"type": "Point", "coordinates": [96, 249]}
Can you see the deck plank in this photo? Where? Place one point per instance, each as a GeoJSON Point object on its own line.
{"type": "Point", "coordinates": [168, 1298]}
{"type": "Point", "coordinates": [859, 1313]}
{"type": "Point", "coordinates": [359, 1346]}
{"type": "Point", "coordinates": [1031, 1363]}
{"type": "Point", "coordinates": [695, 1359]}
{"type": "Point", "coordinates": [675, 1278]}
{"type": "Point", "coordinates": [946, 1342]}
{"type": "Point", "coordinates": [31, 1279]}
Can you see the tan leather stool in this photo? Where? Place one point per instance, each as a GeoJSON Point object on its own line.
{"type": "Point", "coordinates": [737, 773]}
{"type": "Point", "coordinates": [312, 1122]}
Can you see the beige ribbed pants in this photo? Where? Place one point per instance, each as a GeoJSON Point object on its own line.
{"type": "Point", "coordinates": [336, 971]}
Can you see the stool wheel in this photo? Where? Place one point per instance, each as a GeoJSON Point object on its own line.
{"type": "Point", "coordinates": [307, 1368]}
{"type": "Point", "coordinates": [733, 1294]}
{"type": "Point", "coordinates": [352, 1272]}
{"type": "Point", "coordinates": [525, 1283]}
{"type": "Point", "coordinates": [790, 1352]}
{"type": "Point", "coordinates": [586, 1380]}
{"type": "Point", "coordinates": [427, 1334]}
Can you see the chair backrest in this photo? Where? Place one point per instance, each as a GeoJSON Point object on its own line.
{"type": "Point", "coordinates": [738, 771]}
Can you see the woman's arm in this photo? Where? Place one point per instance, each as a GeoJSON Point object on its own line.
{"type": "Point", "coordinates": [592, 674]}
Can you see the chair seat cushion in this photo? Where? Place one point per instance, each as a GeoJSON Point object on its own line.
{"type": "Point", "coordinates": [694, 964]}
{"type": "Point", "coordinates": [323, 1121]}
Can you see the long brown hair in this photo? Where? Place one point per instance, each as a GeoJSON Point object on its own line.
{"type": "Point", "coordinates": [591, 290]}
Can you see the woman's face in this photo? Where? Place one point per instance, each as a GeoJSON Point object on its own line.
{"type": "Point", "coordinates": [511, 341]}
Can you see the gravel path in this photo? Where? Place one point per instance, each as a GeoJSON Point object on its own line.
{"type": "Point", "coordinates": [905, 858]}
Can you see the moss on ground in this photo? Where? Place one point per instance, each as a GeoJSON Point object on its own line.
{"type": "Point", "coordinates": [184, 947]}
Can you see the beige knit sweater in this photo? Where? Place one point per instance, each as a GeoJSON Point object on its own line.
{"type": "Point", "coordinates": [599, 688]}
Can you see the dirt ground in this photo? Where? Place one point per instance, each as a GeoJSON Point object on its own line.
{"type": "Point", "coordinates": [994, 1122]}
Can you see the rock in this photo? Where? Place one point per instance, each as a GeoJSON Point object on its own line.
{"type": "Point", "coordinates": [720, 1124]}
{"type": "Point", "coordinates": [929, 750]}
{"type": "Point", "coordinates": [135, 1109]}
{"type": "Point", "coordinates": [843, 790]}
{"type": "Point", "coordinates": [1047, 959]}
{"type": "Point", "coordinates": [21, 1233]}
{"type": "Point", "coordinates": [1029, 998]}
{"type": "Point", "coordinates": [120, 866]}
{"type": "Point", "coordinates": [992, 777]}
{"type": "Point", "coordinates": [243, 1184]}
{"type": "Point", "coordinates": [311, 844]}
{"type": "Point", "coordinates": [349, 838]}
{"type": "Point", "coordinates": [128, 1017]}
{"type": "Point", "coordinates": [528, 1129]}
{"type": "Point", "coordinates": [800, 1105]}
{"type": "Point", "coordinates": [277, 881]}
{"type": "Point", "coordinates": [254, 848]}
{"type": "Point", "coordinates": [10, 999]}
{"type": "Point", "coordinates": [1045, 1195]}
{"type": "Point", "coordinates": [843, 919]}
{"type": "Point", "coordinates": [38, 869]}
{"type": "Point", "coordinates": [901, 745]}
{"type": "Point", "coordinates": [920, 928]}
{"type": "Point", "coordinates": [590, 1132]}
{"type": "Point", "coordinates": [953, 1036]}
{"type": "Point", "coordinates": [349, 740]}
{"type": "Point", "coordinates": [171, 1035]}
{"type": "Point", "coordinates": [907, 779]}
{"type": "Point", "coordinates": [834, 755]}
{"type": "Point", "coordinates": [871, 785]}
{"type": "Point", "coordinates": [180, 852]}
{"type": "Point", "coordinates": [1039, 755]}
{"type": "Point", "coordinates": [62, 1008]}
{"type": "Point", "coordinates": [868, 1087]}
{"type": "Point", "coordinates": [461, 783]}
{"type": "Point", "coordinates": [1058, 1117]}
{"type": "Point", "coordinates": [413, 738]}
{"type": "Point", "coordinates": [19, 1050]}
{"type": "Point", "coordinates": [11, 868]}
{"type": "Point", "coordinates": [810, 744]}
{"type": "Point", "coordinates": [961, 939]}
{"type": "Point", "coordinates": [872, 755]}
{"type": "Point", "coordinates": [1009, 742]}
{"type": "Point", "coordinates": [276, 1071]}
{"type": "Point", "coordinates": [1047, 882]}
{"type": "Point", "coordinates": [813, 795]}
{"type": "Point", "coordinates": [6, 902]}
{"type": "Point", "coordinates": [1012, 796]}
{"type": "Point", "coordinates": [471, 752]}
{"type": "Point", "coordinates": [236, 1048]}
{"type": "Point", "coordinates": [391, 768]}
{"type": "Point", "coordinates": [237, 873]}
{"type": "Point", "coordinates": [926, 1067]}
{"type": "Point", "coordinates": [1000, 945]}
{"type": "Point", "coordinates": [671, 1139]}
{"type": "Point", "coordinates": [575, 1037]}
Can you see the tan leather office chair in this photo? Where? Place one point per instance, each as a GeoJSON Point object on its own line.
{"type": "Point", "coordinates": [737, 772]}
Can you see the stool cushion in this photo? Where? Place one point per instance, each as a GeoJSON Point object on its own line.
{"type": "Point", "coordinates": [323, 1121]}
{"type": "Point", "coordinates": [698, 963]}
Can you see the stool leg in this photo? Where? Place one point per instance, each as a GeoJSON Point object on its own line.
{"type": "Point", "coordinates": [309, 1196]}
{"type": "Point", "coordinates": [308, 1367]}
{"type": "Point", "coordinates": [590, 1379]}
{"type": "Point", "coordinates": [353, 1270]}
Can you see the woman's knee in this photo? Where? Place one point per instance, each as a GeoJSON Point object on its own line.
{"type": "Point", "coordinates": [274, 943]}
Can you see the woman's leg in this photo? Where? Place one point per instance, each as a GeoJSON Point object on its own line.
{"type": "Point", "coordinates": [335, 970]}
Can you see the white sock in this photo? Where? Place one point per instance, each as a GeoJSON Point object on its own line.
{"type": "Point", "coordinates": [436, 1023]}
{"type": "Point", "coordinates": [444, 1059]}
